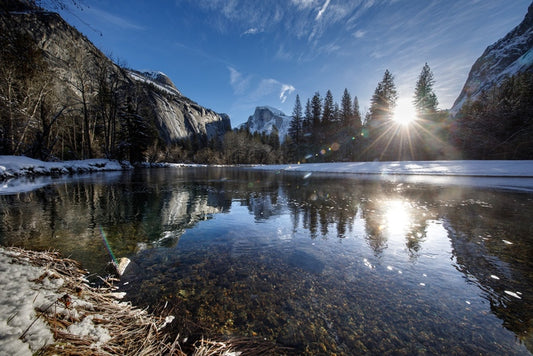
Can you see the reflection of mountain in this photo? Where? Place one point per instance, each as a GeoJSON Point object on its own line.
{"type": "Point", "coordinates": [182, 210]}
{"type": "Point", "coordinates": [136, 211]}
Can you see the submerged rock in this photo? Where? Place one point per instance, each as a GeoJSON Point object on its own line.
{"type": "Point", "coordinates": [306, 261]}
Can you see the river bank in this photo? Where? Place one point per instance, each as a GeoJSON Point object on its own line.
{"type": "Point", "coordinates": [20, 166]}
{"type": "Point", "coordinates": [49, 308]}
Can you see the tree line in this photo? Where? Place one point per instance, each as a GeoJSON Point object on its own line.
{"type": "Point", "coordinates": [327, 131]}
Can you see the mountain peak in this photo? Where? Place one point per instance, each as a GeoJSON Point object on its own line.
{"type": "Point", "coordinates": [157, 79]}
{"type": "Point", "coordinates": [265, 119]}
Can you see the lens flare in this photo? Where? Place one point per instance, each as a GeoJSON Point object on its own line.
{"type": "Point", "coordinates": [106, 243]}
{"type": "Point", "coordinates": [404, 113]}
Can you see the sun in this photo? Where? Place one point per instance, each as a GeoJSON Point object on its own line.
{"type": "Point", "coordinates": [404, 113]}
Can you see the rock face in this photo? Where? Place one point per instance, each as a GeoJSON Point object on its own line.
{"type": "Point", "coordinates": [510, 55]}
{"type": "Point", "coordinates": [73, 60]}
{"type": "Point", "coordinates": [178, 117]}
{"type": "Point", "coordinates": [265, 118]}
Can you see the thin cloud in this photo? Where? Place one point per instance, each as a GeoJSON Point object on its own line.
{"type": "Point", "coordinates": [107, 17]}
{"type": "Point", "coordinates": [283, 54]}
{"type": "Point", "coordinates": [254, 90]}
{"type": "Point", "coordinates": [286, 90]}
{"type": "Point", "coordinates": [322, 10]}
{"type": "Point", "coordinates": [269, 86]}
{"type": "Point", "coordinates": [238, 82]}
{"type": "Point", "coordinates": [251, 31]}
{"type": "Point", "coordinates": [359, 34]}
{"type": "Point", "coordinates": [303, 4]}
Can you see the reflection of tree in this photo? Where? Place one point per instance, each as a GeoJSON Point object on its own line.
{"type": "Point", "coordinates": [414, 238]}
{"type": "Point", "coordinates": [143, 208]}
{"type": "Point", "coordinates": [374, 227]}
{"type": "Point", "coordinates": [495, 256]}
{"type": "Point", "coordinates": [324, 205]}
{"type": "Point", "coordinates": [328, 205]}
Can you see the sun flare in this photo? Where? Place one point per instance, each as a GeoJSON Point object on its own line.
{"type": "Point", "coordinates": [404, 113]}
{"type": "Point", "coordinates": [397, 216]}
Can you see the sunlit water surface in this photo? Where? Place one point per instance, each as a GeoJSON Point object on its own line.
{"type": "Point", "coordinates": [321, 264]}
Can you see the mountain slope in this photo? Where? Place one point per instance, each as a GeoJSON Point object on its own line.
{"type": "Point", "coordinates": [81, 77]}
{"type": "Point", "coordinates": [508, 56]}
{"type": "Point", "coordinates": [265, 118]}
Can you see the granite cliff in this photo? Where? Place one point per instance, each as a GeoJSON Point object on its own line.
{"type": "Point", "coordinates": [81, 77]}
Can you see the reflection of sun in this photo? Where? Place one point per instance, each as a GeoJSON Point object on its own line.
{"type": "Point", "coordinates": [404, 113]}
{"type": "Point", "coordinates": [397, 216]}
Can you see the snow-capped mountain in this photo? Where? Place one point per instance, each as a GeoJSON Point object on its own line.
{"type": "Point", "coordinates": [265, 118]}
{"type": "Point", "coordinates": [510, 55]}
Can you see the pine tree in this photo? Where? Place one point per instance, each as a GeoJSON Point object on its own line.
{"type": "Point", "coordinates": [346, 108]}
{"type": "Point", "coordinates": [430, 141]}
{"type": "Point", "coordinates": [336, 113]}
{"type": "Point", "coordinates": [307, 124]}
{"type": "Point", "coordinates": [379, 119]}
{"type": "Point", "coordinates": [328, 110]}
{"type": "Point", "coordinates": [383, 101]}
{"type": "Point", "coordinates": [316, 111]}
{"type": "Point", "coordinates": [295, 129]}
{"type": "Point", "coordinates": [425, 100]}
{"type": "Point", "coordinates": [357, 121]}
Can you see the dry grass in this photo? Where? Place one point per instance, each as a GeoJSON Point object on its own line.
{"type": "Point", "coordinates": [133, 331]}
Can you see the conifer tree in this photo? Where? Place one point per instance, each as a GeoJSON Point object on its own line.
{"type": "Point", "coordinates": [425, 100]}
{"type": "Point", "coordinates": [336, 113]}
{"type": "Point", "coordinates": [379, 118]}
{"type": "Point", "coordinates": [357, 121]}
{"type": "Point", "coordinates": [307, 124]}
{"type": "Point", "coordinates": [295, 129]}
{"type": "Point", "coordinates": [328, 110]}
{"type": "Point", "coordinates": [346, 108]}
{"type": "Point", "coordinates": [383, 101]}
{"type": "Point", "coordinates": [316, 111]}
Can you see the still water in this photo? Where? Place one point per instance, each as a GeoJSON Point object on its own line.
{"type": "Point", "coordinates": [322, 264]}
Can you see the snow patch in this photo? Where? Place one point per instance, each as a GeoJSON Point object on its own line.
{"type": "Point", "coordinates": [87, 329]}
{"type": "Point", "coordinates": [151, 78]}
{"type": "Point", "coordinates": [513, 175]}
{"type": "Point", "coordinates": [17, 310]}
{"type": "Point", "coordinates": [26, 291]}
{"type": "Point", "coordinates": [16, 166]}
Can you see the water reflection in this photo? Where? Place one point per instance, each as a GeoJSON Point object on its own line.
{"type": "Point", "coordinates": [317, 262]}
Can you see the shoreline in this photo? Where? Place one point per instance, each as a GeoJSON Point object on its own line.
{"type": "Point", "coordinates": [49, 307]}
{"type": "Point", "coordinates": [21, 166]}
{"type": "Point", "coordinates": [20, 174]}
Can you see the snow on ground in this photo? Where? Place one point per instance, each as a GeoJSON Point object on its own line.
{"type": "Point", "coordinates": [500, 174]}
{"type": "Point", "coordinates": [516, 175]}
{"type": "Point", "coordinates": [17, 309]}
{"type": "Point", "coordinates": [445, 168]}
{"type": "Point", "coordinates": [25, 288]}
{"type": "Point", "coordinates": [16, 166]}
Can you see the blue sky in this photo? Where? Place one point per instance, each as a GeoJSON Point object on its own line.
{"type": "Point", "coordinates": [234, 55]}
